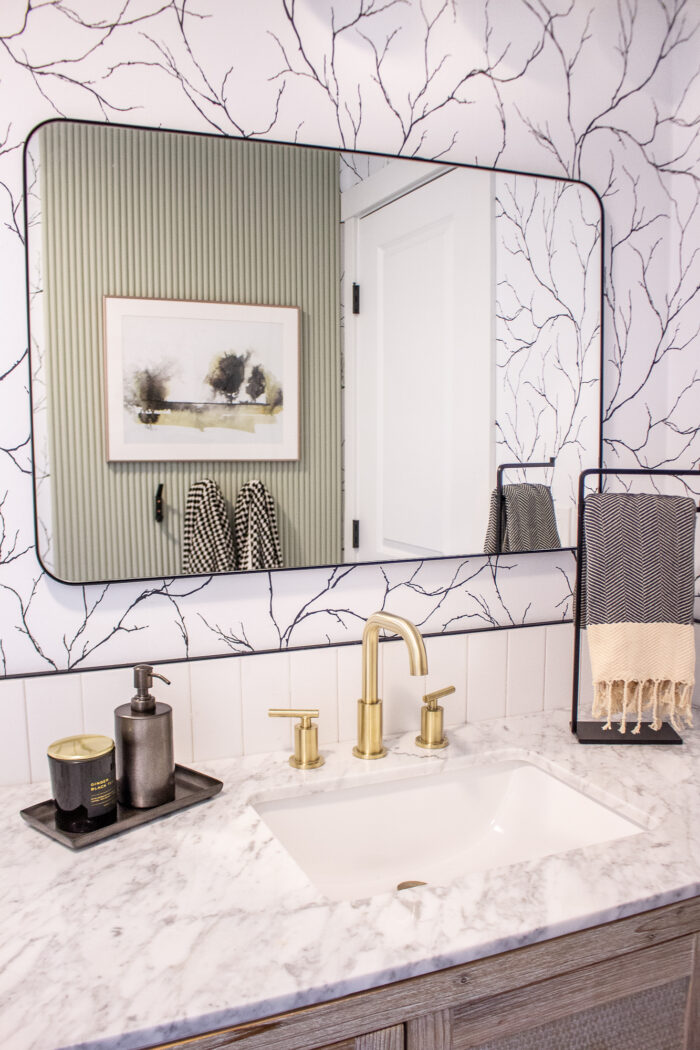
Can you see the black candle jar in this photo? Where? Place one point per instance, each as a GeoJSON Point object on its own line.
{"type": "Point", "coordinates": [83, 782]}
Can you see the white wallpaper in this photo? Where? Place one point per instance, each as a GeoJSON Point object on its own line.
{"type": "Point", "coordinates": [607, 93]}
{"type": "Point", "coordinates": [548, 334]}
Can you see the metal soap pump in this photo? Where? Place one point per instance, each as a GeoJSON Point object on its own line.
{"type": "Point", "coordinates": [144, 746]}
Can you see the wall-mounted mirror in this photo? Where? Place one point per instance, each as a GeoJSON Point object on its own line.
{"type": "Point", "coordinates": [370, 337]}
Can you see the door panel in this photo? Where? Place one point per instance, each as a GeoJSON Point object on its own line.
{"type": "Point", "coordinates": [424, 362]}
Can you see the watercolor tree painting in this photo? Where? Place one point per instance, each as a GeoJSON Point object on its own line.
{"type": "Point", "coordinates": [188, 380]}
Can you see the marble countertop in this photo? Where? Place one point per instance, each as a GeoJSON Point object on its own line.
{"type": "Point", "coordinates": [201, 919]}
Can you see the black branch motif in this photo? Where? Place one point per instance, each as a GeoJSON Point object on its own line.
{"type": "Point", "coordinates": [440, 83]}
{"type": "Point", "coordinates": [10, 546]}
{"type": "Point", "coordinates": [548, 325]}
{"type": "Point", "coordinates": [233, 639]}
{"type": "Point", "coordinates": [87, 637]}
{"type": "Point", "coordinates": [649, 183]}
{"type": "Point", "coordinates": [338, 614]}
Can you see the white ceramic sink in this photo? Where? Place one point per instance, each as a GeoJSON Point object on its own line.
{"type": "Point", "coordinates": [354, 842]}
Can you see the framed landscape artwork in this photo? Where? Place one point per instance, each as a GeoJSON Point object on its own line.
{"type": "Point", "coordinates": [200, 381]}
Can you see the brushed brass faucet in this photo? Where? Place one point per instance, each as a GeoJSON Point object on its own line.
{"type": "Point", "coordinates": [370, 742]}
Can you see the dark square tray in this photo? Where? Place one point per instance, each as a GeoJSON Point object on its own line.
{"type": "Point", "coordinates": [190, 787]}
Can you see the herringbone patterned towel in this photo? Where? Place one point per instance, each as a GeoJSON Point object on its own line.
{"type": "Point", "coordinates": [638, 593]}
{"type": "Point", "coordinates": [528, 521]}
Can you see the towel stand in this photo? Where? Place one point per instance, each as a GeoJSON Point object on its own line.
{"type": "Point", "coordinates": [593, 732]}
{"type": "Point", "coordinates": [499, 491]}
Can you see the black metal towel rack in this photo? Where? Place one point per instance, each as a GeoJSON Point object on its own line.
{"type": "Point", "coordinates": [593, 732]}
{"type": "Point", "coordinates": [499, 491]}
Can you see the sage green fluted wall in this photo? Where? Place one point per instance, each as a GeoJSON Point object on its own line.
{"type": "Point", "coordinates": [152, 214]}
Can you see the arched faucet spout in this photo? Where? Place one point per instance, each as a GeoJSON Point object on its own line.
{"type": "Point", "coordinates": [417, 657]}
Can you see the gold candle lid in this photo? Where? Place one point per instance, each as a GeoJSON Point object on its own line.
{"type": "Point", "coordinates": [80, 748]}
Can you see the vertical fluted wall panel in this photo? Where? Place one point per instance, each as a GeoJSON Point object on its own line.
{"type": "Point", "coordinates": [171, 216]}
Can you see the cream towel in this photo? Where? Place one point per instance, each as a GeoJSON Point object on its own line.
{"type": "Point", "coordinates": [642, 668]}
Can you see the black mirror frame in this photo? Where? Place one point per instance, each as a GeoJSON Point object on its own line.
{"type": "Point", "coordinates": [335, 149]}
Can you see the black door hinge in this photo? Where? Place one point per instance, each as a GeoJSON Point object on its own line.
{"type": "Point", "coordinates": [355, 534]}
{"type": "Point", "coordinates": [356, 298]}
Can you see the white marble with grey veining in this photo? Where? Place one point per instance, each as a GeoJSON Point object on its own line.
{"type": "Point", "coordinates": [201, 920]}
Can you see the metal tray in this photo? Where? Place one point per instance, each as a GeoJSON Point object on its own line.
{"type": "Point", "coordinates": [190, 787]}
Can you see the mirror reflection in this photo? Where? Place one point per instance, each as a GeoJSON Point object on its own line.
{"type": "Point", "coordinates": [345, 347]}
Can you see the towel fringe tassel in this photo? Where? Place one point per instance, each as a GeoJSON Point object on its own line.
{"type": "Point", "coordinates": [608, 704]}
{"type": "Point", "coordinates": [620, 698]}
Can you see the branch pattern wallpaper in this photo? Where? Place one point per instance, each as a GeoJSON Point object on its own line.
{"type": "Point", "coordinates": [607, 93]}
{"type": "Point", "coordinates": [548, 334]}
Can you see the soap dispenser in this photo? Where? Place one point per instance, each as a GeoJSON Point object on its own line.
{"type": "Point", "coordinates": [144, 746]}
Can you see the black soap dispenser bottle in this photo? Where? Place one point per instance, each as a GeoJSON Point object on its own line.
{"type": "Point", "coordinates": [144, 745]}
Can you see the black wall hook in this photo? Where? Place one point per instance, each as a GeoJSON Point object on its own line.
{"type": "Point", "coordinates": [159, 502]}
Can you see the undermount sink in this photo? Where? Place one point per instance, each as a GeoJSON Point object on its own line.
{"type": "Point", "coordinates": [354, 842]}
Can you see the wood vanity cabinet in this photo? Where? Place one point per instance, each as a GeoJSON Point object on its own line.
{"type": "Point", "coordinates": [494, 999]}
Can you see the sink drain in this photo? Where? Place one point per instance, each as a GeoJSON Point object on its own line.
{"type": "Point", "coordinates": [409, 884]}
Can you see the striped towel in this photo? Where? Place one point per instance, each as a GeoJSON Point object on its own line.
{"type": "Point", "coordinates": [255, 523]}
{"type": "Point", "coordinates": [528, 521]}
{"type": "Point", "coordinates": [207, 544]}
{"type": "Point", "coordinates": [637, 599]}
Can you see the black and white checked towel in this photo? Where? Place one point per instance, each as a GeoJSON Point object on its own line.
{"type": "Point", "coordinates": [207, 543]}
{"type": "Point", "coordinates": [638, 584]}
{"type": "Point", "coordinates": [255, 524]}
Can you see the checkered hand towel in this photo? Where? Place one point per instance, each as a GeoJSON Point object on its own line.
{"type": "Point", "coordinates": [255, 523]}
{"type": "Point", "coordinates": [528, 521]}
{"type": "Point", "coordinates": [637, 599]}
{"type": "Point", "coordinates": [207, 544]}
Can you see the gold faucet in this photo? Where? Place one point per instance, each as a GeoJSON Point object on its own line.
{"type": "Point", "coordinates": [369, 708]}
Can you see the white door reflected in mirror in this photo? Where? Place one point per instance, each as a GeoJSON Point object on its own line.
{"type": "Point", "coordinates": [420, 355]}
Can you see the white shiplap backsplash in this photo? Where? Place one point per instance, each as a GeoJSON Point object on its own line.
{"type": "Point", "coordinates": [220, 705]}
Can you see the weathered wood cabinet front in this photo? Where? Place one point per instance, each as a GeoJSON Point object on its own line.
{"type": "Point", "coordinates": [466, 1006]}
